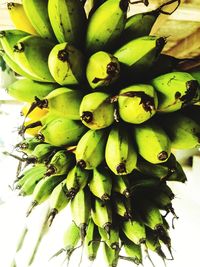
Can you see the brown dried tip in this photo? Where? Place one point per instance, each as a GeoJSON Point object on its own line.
{"type": "Point", "coordinates": [105, 197]}
{"type": "Point", "coordinates": [126, 193]}
{"type": "Point", "coordinates": [87, 116]}
{"type": "Point", "coordinates": [19, 47]}
{"type": "Point", "coordinates": [33, 205]}
{"type": "Point", "coordinates": [107, 227]}
{"type": "Point", "coordinates": [121, 168]}
{"type": "Point", "coordinates": [52, 215]}
{"type": "Point", "coordinates": [72, 193]}
{"type": "Point", "coordinates": [162, 155]}
{"type": "Point", "coordinates": [81, 163]}
{"type": "Point", "coordinates": [50, 170]}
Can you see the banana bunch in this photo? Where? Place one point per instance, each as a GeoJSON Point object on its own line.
{"type": "Point", "coordinates": [104, 110]}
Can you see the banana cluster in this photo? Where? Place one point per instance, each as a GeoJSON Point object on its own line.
{"type": "Point", "coordinates": [103, 112]}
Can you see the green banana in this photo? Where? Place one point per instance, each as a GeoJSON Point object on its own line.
{"type": "Point", "coordinates": [66, 64]}
{"type": "Point", "coordinates": [178, 175]}
{"type": "Point", "coordinates": [102, 70]}
{"type": "Point", "coordinates": [90, 144]}
{"type": "Point", "coordinates": [102, 215]}
{"type": "Point", "coordinates": [100, 184]}
{"type": "Point", "coordinates": [37, 13]}
{"type": "Point", "coordinates": [92, 240]}
{"type": "Point", "coordinates": [68, 20]}
{"type": "Point", "coordinates": [43, 190]}
{"type": "Point", "coordinates": [31, 53]}
{"type": "Point", "coordinates": [137, 103]}
{"type": "Point", "coordinates": [135, 230]}
{"type": "Point", "coordinates": [122, 207]}
{"type": "Point", "coordinates": [195, 74]}
{"type": "Point", "coordinates": [42, 153]}
{"type": "Point", "coordinates": [61, 131]}
{"type": "Point", "coordinates": [113, 240]}
{"type": "Point", "coordinates": [26, 90]}
{"type": "Point", "coordinates": [175, 90]}
{"type": "Point", "coordinates": [152, 141]}
{"type": "Point", "coordinates": [58, 200]}
{"type": "Point", "coordinates": [27, 145]}
{"type": "Point", "coordinates": [121, 185]}
{"type": "Point", "coordinates": [110, 17]}
{"type": "Point", "coordinates": [77, 179]}
{"type": "Point", "coordinates": [96, 110]}
{"type": "Point", "coordinates": [120, 154]}
{"type": "Point", "coordinates": [62, 101]}
{"type": "Point", "coordinates": [183, 131]}
{"type": "Point", "coordinates": [60, 163]}
{"type": "Point", "coordinates": [111, 256]}
{"type": "Point", "coordinates": [81, 209]}
{"type": "Point", "coordinates": [138, 56]}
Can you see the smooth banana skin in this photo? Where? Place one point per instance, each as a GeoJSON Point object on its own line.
{"type": "Point", "coordinates": [31, 53]}
{"type": "Point", "coordinates": [137, 103]}
{"type": "Point", "coordinates": [91, 5]}
{"type": "Point", "coordinates": [58, 200]}
{"type": "Point", "coordinates": [175, 90]}
{"type": "Point", "coordinates": [27, 145]}
{"type": "Point", "coordinates": [102, 215]}
{"type": "Point", "coordinates": [81, 210]}
{"type": "Point", "coordinates": [153, 142]}
{"type": "Point", "coordinates": [63, 101]}
{"type": "Point", "coordinates": [179, 175]}
{"type": "Point", "coordinates": [111, 256]}
{"type": "Point", "coordinates": [120, 153]}
{"type": "Point", "coordinates": [138, 56]}
{"type": "Point", "coordinates": [122, 207]}
{"type": "Point", "coordinates": [113, 240]}
{"type": "Point", "coordinates": [110, 17]}
{"type": "Point", "coordinates": [96, 110]}
{"type": "Point", "coordinates": [19, 18]}
{"type": "Point", "coordinates": [43, 190]}
{"type": "Point", "coordinates": [100, 184]}
{"type": "Point", "coordinates": [66, 64]}
{"type": "Point", "coordinates": [121, 185]}
{"type": "Point", "coordinates": [42, 153]}
{"type": "Point", "coordinates": [68, 20]}
{"type": "Point", "coordinates": [25, 90]}
{"type": "Point", "coordinates": [92, 240]}
{"type": "Point", "coordinates": [90, 144]}
{"type": "Point", "coordinates": [183, 131]}
{"type": "Point", "coordinates": [61, 132]}
{"type": "Point", "coordinates": [36, 114]}
{"type": "Point", "coordinates": [77, 179]}
{"type": "Point", "coordinates": [102, 70]}
{"type": "Point", "coordinates": [60, 163]}
{"type": "Point", "coordinates": [37, 13]}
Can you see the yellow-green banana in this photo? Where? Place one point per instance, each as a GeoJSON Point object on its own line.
{"type": "Point", "coordinates": [113, 240]}
{"type": "Point", "coordinates": [122, 206]}
{"type": "Point", "coordinates": [137, 103]}
{"type": "Point", "coordinates": [26, 90]}
{"type": "Point", "coordinates": [66, 64]}
{"type": "Point", "coordinates": [110, 17]}
{"type": "Point", "coordinates": [102, 70]}
{"type": "Point", "coordinates": [120, 153]}
{"type": "Point", "coordinates": [102, 215]}
{"type": "Point", "coordinates": [175, 90]}
{"type": "Point", "coordinates": [90, 144]}
{"type": "Point", "coordinates": [31, 53]}
{"type": "Point", "coordinates": [100, 184]}
{"type": "Point", "coordinates": [81, 209]}
{"type": "Point", "coordinates": [153, 142]}
{"type": "Point", "coordinates": [96, 110]}
{"type": "Point", "coordinates": [42, 153]}
{"type": "Point", "coordinates": [27, 145]}
{"type": "Point", "coordinates": [58, 200]}
{"type": "Point", "coordinates": [61, 131]}
{"type": "Point", "coordinates": [77, 179]}
{"type": "Point", "coordinates": [111, 256]}
{"type": "Point", "coordinates": [121, 185]}
{"type": "Point", "coordinates": [37, 13]}
{"type": "Point", "coordinates": [68, 20]}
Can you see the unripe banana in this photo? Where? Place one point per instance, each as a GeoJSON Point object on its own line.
{"type": "Point", "coordinates": [19, 18]}
{"type": "Point", "coordinates": [60, 163]}
{"type": "Point", "coordinates": [137, 103]}
{"type": "Point", "coordinates": [58, 200]}
{"type": "Point", "coordinates": [26, 90]}
{"type": "Point", "coordinates": [68, 20]}
{"type": "Point", "coordinates": [138, 56]}
{"type": "Point", "coordinates": [120, 154]}
{"type": "Point", "coordinates": [27, 145]}
{"type": "Point", "coordinates": [102, 70]}
{"type": "Point", "coordinates": [175, 90]}
{"type": "Point", "coordinates": [31, 53]}
{"type": "Point", "coordinates": [96, 110]}
{"type": "Point", "coordinates": [66, 64]}
{"type": "Point", "coordinates": [77, 179]}
{"type": "Point", "coordinates": [183, 131]}
{"type": "Point", "coordinates": [42, 153]}
{"type": "Point", "coordinates": [81, 209]}
{"type": "Point", "coordinates": [37, 13]}
{"type": "Point", "coordinates": [113, 240]}
{"type": "Point", "coordinates": [111, 256]}
{"type": "Point", "coordinates": [62, 101]}
{"type": "Point", "coordinates": [101, 184]}
{"type": "Point", "coordinates": [122, 207]}
{"type": "Point", "coordinates": [121, 185]}
{"type": "Point", "coordinates": [110, 17]}
{"type": "Point", "coordinates": [91, 143]}
{"type": "Point", "coordinates": [102, 215]}
{"type": "Point", "coordinates": [35, 114]}
{"type": "Point", "coordinates": [43, 190]}
{"type": "Point", "coordinates": [61, 131]}
{"type": "Point", "coordinates": [152, 141]}
{"type": "Point", "coordinates": [178, 175]}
